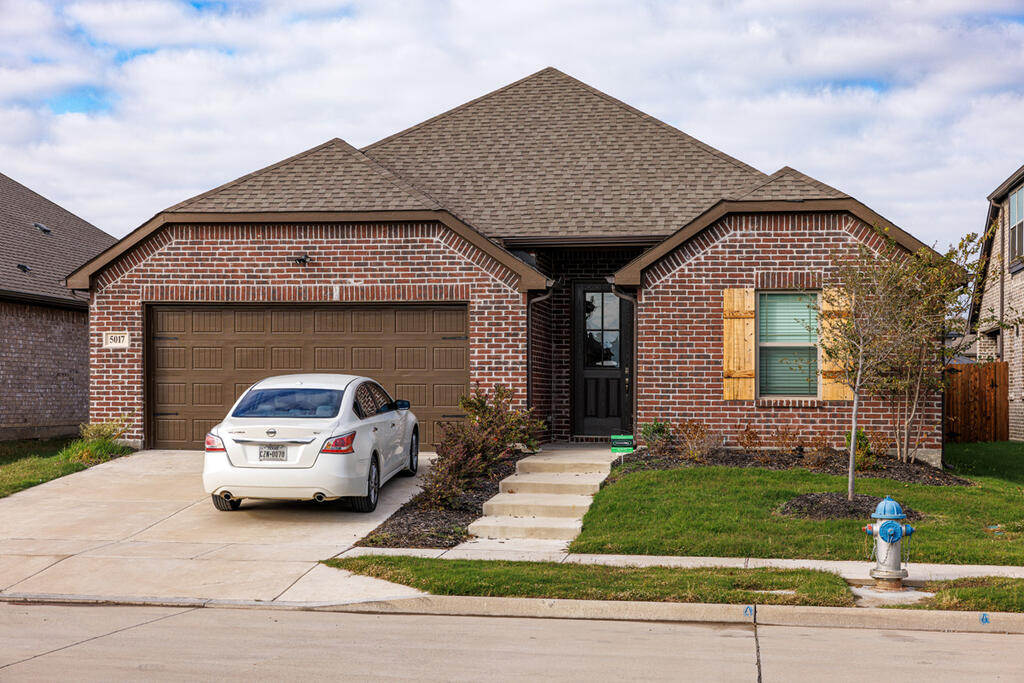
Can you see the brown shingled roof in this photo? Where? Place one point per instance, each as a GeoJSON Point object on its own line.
{"type": "Point", "coordinates": [49, 256]}
{"type": "Point", "coordinates": [334, 176]}
{"type": "Point", "coordinates": [550, 156]}
{"type": "Point", "coordinates": [792, 185]}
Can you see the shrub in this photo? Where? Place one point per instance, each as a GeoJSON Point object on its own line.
{"type": "Point", "coordinates": [749, 439]}
{"type": "Point", "coordinates": [104, 431]}
{"type": "Point", "coordinates": [818, 451]}
{"type": "Point", "coordinates": [785, 440]}
{"type": "Point", "coordinates": [660, 440]}
{"type": "Point", "coordinates": [474, 449]}
{"type": "Point", "coordinates": [864, 457]}
{"type": "Point", "coordinates": [696, 441]}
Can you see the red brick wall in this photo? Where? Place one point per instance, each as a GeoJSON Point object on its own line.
{"type": "Point", "coordinates": [372, 263]}
{"type": "Point", "coordinates": [44, 370]}
{"type": "Point", "coordinates": [679, 362]}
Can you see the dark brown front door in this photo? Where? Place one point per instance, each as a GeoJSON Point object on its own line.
{"type": "Point", "coordinates": [602, 360]}
{"type": "Point", "coordinates": [202, 357]}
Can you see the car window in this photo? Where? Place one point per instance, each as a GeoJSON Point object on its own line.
{"type": "Point", "coordinates": [364, 402]}
{"type": "Point", "coordinates": [381, 397]}
{"type": "Point", "coordinates": [301, 403]}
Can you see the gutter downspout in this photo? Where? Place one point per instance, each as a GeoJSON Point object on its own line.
{"type": "Point", "coordinates": [632, 394]}
{"type": "Point", "coordinates": [529, 340]}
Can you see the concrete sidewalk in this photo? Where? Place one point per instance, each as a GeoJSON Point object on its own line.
{"type": "Point", "coordinates": [555, 551]}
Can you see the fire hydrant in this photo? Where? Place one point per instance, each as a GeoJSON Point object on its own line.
{"type": "Point", "coordinates": [888, 572]}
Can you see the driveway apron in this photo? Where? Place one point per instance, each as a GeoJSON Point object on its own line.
{"type": "Point", "coordinates": [143, 527]}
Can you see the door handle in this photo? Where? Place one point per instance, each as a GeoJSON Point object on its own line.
{"type": "Point", "coordinates": [392, 425]}
{"type": "Point", "coordinates": [374, 429]}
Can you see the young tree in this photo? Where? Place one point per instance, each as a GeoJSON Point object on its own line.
{"type": "Point", "coordinates": [855, 316]}
{"type": "Point", "coordinates": [935, 296]}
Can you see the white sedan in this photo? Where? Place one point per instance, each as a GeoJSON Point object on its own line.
{"type": "Point", "coordinates": [310, 437]}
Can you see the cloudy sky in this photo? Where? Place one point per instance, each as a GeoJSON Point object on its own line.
{"type": "Point", "coordinates": [117, 110]}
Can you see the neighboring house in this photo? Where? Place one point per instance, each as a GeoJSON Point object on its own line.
{"type": "Point", "coordinates": [999, 304]}
{"type": "Point", "coordinates": [610, 268]}
{"type": "Point", "coordinates": [44, 344]}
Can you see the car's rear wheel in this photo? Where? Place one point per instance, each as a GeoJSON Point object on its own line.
{"type": "Point", "coordinates": [368, 503]}
{"type": "Point", "coordinates": [414, 456]}
{"type": "Point", "coordinates": [225, 505]}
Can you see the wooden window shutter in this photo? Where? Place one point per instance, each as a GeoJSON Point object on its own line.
{"type": "Point", "coordinates": [831, 390]}
{"type": "Point", "coordinates": [738, 352]}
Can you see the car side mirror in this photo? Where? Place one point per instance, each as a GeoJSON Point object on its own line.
{"type": "Point", "coordinates": [402, 404]}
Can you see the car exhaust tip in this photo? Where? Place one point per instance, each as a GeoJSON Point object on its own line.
{"type": "Point", "coordinates": [319, 497]}
{"type": "Point", "coordinates": [226, 495]}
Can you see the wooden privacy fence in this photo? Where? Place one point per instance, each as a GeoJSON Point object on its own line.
{"type": "Point", "coordinates": [977, 405]}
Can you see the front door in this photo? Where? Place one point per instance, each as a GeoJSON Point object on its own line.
{"type": "Point", "coordinates": [602, 361]}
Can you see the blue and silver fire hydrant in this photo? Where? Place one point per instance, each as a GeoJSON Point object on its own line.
{"type": "Point", "coordinates": [889, 571]}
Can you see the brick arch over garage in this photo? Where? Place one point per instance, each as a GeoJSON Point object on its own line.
{"type": "Point", "coordinates": [350, 263]}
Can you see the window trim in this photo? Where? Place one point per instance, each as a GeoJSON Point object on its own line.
{"type": "Point", "coordinates": [758, 396]}
{"type": "Point", "coordinates": [1015, 230]}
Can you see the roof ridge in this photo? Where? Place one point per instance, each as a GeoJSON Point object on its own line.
{"type": "Point", "coordinates": [453, 110]}
{"type": "Point", "coordinates": [789, 171]}
{"type": "Point", "coordinates": [593, 91]}
{"type": "Point", "coordinates": [220, 188]}
{"type": "Point", "coordinates": [393, 177]}
{"type": "Point", "coordinates": [644, 115]}
{"type": "Point", "coordinates": [53, 203]}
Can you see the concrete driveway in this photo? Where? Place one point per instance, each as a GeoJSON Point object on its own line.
{"type": "Point", "coordinates": [142, 527]}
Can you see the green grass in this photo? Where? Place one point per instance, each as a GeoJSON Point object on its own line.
{"type": "Point", "coordinates": [596, 582]}
{"type": "Point", "coordinates": [983, 594]}
{"type": "Point", "coordinates": [24, 464]}
{"type": "Point", "coordinates": [730, 512]}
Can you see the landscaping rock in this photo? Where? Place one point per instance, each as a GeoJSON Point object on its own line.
{"type": "Point", "coordinates": [836, 506]}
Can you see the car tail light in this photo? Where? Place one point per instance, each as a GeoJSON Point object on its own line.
{"type": "Point", "coordinates": [213, 443]}
{"type": "Point", "coordinates": [339, 444]}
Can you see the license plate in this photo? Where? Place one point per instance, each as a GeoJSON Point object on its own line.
{"type": "Point", "coordinates": [273, 453]}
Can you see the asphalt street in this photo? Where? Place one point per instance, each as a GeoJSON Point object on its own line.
{"type": "Point", "coordinates": [113, 643]}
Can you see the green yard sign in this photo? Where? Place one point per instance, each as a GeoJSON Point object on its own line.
{"type": "Point", "coordinates": [622, 443]}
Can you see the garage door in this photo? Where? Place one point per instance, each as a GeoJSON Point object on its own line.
{"type": "Point", "coordinates": [201, 358]}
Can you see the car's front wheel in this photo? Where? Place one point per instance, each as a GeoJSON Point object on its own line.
{"type": "Point", "coordinates": [368, 503]}
{"type": "Point", "coordinates": [413, 463]}
{"type": "Point", "coordinates": [225, 505]}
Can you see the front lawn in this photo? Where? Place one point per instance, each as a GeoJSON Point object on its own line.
{"type": "Point", "coordinates": [597, 582]}
{"type": "Point", "coordinates": [982, 594]}
{"type": "Point", "coordinates": [26, 463]}
{"type": "Point", "coordinates": [731, 512]}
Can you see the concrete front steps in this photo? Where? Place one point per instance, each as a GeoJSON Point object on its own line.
{"type": "Point", "coordinates": [547, 496]}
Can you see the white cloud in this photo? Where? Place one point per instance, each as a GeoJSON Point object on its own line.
{"type": "Point", "coordinates": [913, 109]}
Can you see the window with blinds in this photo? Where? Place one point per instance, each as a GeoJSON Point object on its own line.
{"type": "Point", "coordinates": [787, 338]}
{"type": "Point", "coordinates": [1015, 206]}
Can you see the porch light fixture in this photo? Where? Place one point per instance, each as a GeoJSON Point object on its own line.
{"type": "Point", "coordinates": [302, 260]}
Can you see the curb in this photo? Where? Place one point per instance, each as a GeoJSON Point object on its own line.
{"type": "Point", "coordinates": [607, 610]}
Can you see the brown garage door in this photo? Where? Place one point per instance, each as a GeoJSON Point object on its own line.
{"type": "Point", "coordinates": [201, 358]}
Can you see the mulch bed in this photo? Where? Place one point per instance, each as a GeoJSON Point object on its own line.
{"type": "Point", "coordinates": [836, 506]}
{"type": "Point", "coordinates": [418, 525]}
{"type": "Point", "coordinates": [886, 468]}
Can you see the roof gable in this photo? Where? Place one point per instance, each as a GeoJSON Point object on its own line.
{"type": "Point", "coordinates": [790, 184]}
{"type": "Point", "coordinates": [549, 155]}
{"type": "Point", "coordinates": [334, 176]}
{"type": "Point", "coordinates": [50, 256]}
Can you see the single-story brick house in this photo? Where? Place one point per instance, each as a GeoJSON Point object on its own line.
{"type": "Point", "coordinates": [44, 326]}
{"type": "Point", "coordinates": [545, 236]}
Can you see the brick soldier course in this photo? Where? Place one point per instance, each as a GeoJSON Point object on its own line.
{"type": "Point", "coordinates": [546, 200]}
